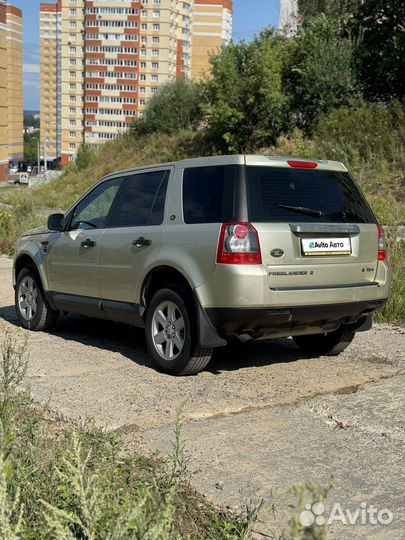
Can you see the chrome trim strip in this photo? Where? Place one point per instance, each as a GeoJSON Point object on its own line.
{"type": "Point", "coordinates": [328, 228]}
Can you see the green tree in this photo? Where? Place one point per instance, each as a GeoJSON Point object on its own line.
{"type": "Point", "coordinates": [175, 107]}
{"type": "Point", "coordinates": [85, 156]}
{"type": "Point", "coordinates": [379, 28]}
{"type": "Point", "coordinates": [243, 100]}
{"type": "Point", "coordinates": [31, 146]}
{"type": "Point", "coordinates": [319, 75]}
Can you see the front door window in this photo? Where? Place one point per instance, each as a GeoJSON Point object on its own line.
{"type": "Point", "coordinates": [93, 211]}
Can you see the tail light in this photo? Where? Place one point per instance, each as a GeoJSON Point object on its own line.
{"type": "Point", "coordinates": [238, 244]}
{"type": "Point", "coordinates": [302, 164]}
{"type": "Point", "coordinates": [382, 244]}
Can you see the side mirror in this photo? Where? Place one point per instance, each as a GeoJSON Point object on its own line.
{"type": "Point", "coordinates": [56, 222]}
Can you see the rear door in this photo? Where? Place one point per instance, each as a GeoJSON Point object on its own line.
{"type": "Point", "coordinates": [315, 227]}
{"type": "Point", "coordinates": [130, 245]}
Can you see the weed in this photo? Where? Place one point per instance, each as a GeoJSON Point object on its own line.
{"type": "Point", "coordinates": [58, 480]}
{"type": "Point", "coordinates": [307, 494]}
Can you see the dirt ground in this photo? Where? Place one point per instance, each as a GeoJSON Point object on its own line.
{"type": "Point", "coordinates": [263, 417]}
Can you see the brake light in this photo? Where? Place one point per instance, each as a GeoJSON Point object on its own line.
{"type": "Point", "coordinates": [382, 244]}
{"type": "Point", "coordinates": [302, 164]}
{"type": "Point", "coordinates": [238, 244]}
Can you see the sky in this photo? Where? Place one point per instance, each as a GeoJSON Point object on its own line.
{"type": "Point", "coordinates": [250, 17]}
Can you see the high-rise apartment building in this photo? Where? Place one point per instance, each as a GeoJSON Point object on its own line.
{"type": "Point", "coordinates": [211, 30]}
{"type": "Point", "coordinates": [101, 60]}
{"type": "Point", "coordinates": [11, 86]}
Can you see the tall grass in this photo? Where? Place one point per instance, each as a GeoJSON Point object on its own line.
{"type": "Point", "coordinates": [393, 312]}
{"type": "Point", "coordinates": [58, 480]}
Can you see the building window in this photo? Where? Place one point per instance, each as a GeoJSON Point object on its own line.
{"type": "Point", "coordinates": [142, 90]}
{"type": "Point", "coordinates": [72, 123]}
{"type": "Point", "coordinates": [143, 77]}
{"type": "Point", "coordinates": [72, 24]}
{"type": "Point", "coordinates": [72, 134]}
{"type": "Point", "coordinates": [143, 52]}
{"type": "Point", "coordinates": [155, 52]}
{"type": "Point", "coordinates": [143, 65]}
{"type": "Point", "coordinates": [155, 65]}
{"type": "Point", "coordinates": [144, 26]}
{"type": "Point", "coordinates": [72, 146]}
{"type": "Point", "coordinates": [156, 27]}
{"type": "Point", "coordinates": [72, 110]}
{"type": "Point", "coordinates": [72, 12]}
{"type": "Point", "coordinates": [155, 39]}
{"type": "Point", "coordinates": [72, 86]}
{"type": "Point", "coordinates": [155, 78]}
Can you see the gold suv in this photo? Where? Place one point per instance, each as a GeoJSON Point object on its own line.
{"type": "Point", "coordinates": [204, 250]}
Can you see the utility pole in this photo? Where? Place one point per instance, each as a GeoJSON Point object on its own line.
{"type": "Point", "coordinates": [39, 156]}
{"type": "Point", "coordinates": [45, 156]}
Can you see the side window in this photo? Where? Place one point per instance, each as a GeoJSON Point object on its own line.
{"type": "Point", "coordinates": [92, 212]}
{"type": "Point", "coordinates": [203, 189]}
{"type": "Point", "coordinates": [144, 201]}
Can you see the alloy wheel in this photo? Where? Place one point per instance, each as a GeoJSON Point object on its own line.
{"type": "Point", "coordinates": [168, 330]}
{"type": "Point", "coordinates": [28, 298]}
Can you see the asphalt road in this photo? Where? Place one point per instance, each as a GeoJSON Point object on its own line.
{"type": "Point", "coordinates": [263, 417]}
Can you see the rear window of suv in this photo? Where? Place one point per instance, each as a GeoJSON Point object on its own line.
{"type": "Point", "coordinates": [285, 195]}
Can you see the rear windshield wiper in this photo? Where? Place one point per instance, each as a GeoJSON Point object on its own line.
{"type": "Point", "coordinates": [302, 210]}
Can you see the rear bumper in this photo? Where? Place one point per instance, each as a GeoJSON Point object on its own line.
{"type": "Point", "coordinates": [263, 323]}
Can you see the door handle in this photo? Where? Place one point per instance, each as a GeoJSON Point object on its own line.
{"type": "Point", "coordinates": [141, 241]}
{"type": "Point", "coordinates": [88, 243]}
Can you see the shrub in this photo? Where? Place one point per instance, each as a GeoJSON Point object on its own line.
{"type": "Point", "coordinates": [243, 101]}
{"type": "Point", "coordinates": [175, 107]}
{"type": "Point", "coordinates": [363, 134]}
{"type": "Point", "coordinates": [318, 74]}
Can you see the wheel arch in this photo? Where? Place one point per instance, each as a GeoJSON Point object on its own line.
{"type": "Point", "coordinates": [24, 259]}
{"type": "Point", "coordinates": [160, 277]}
{"type": "Point", "coordinates": [166, 276]}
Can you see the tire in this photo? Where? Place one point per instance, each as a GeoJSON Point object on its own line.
{"type": "Point", "coordinates": [33, 311]}
{"type": "Point", "coordinates": [326, 344]}
{"type": "Point", "coordinates": [173, 349]}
